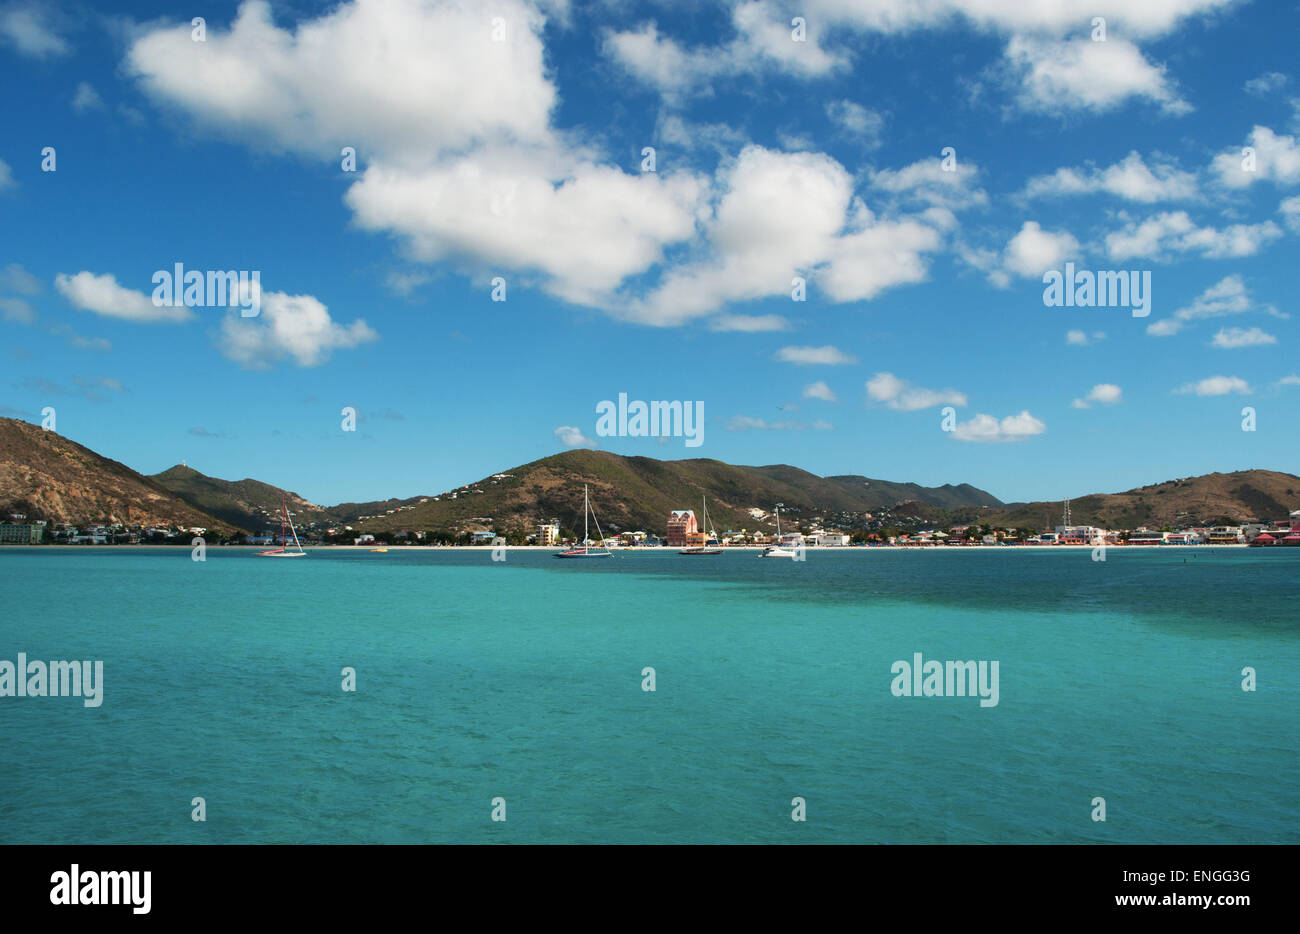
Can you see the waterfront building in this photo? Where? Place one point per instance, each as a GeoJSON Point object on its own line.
{"type": "Point", "coordinates": [682, 528]}
{"type": "Point", "coordinates": [22, 534]}
{"type": "Point", "coordinates": [1225, 535]}
{"type": "Point", "coordinates": [548, 533]}
{"type": "Point", "coordinates": [1080, 534]}
{"type": "Point", "coordinates": [1145, 536]}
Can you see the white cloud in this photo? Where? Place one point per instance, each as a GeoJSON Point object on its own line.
{"type": "Point", "coordinates": [584, 231]}
{"type": "Point", "coordinates": [1277, 159]}
{"type": "Point", "coordinates": [6, 175]}
{"type": "Point", "coordinates": [1231, 338]}
{"type": "Point", "coordinates": [104, 296]}
{"type": "Point", "coordinates": [748, 423]}
{"type": "Point", "coordinates": [927, 181]}
{"type": "Point", "coordinates": [749, 323]}
{"type": "Point", "coordinates": [1292, 380]}
{"type": "Point", "coordinates": [1082, 339]}
{"type": "Point", "coordinates": [401, 80]}
{"type": "Point", "coordinates": [86, 99]}
{"type": "Point", "coordinates": [28, 28]}
{"type": "Point", "coordinates": [1265, 84]}
{"type": "Point", "coordinates": [763, 40]}
{"type": "Point", "coordinates": [1080, 74]}
{"type": "Point", "coordinates": [17, 279]}
{"type": "Point", "coordinates": [1175, 232]}
{"type": "Point", "coordinates": [1101, 394]}
{"type": "Point", "coordinates": [572, 437]}
{"type": "Point", "coordinates": [813, 356]}
{"type": "Point", "coordinates": [296, 326]}
{"type": "Point", "coordinates": [782, 215]}
{"type": "Point", "coordinates": [903, 396]}
{"type": "Point", "coordinates": [819, 390]}
{"type": "Point", "coordinates": [1216, 386]}
{"type": "Point", "coordinates": [1148, 19]}
{"type": "Point", "coordinates": [1228, 296]}
{"type": "Point", "coordinates": [1033, 251]}
{"type": "Point", "coordinates": [404, 283]}
{"type": "Point", "coordinates": [16, 311]}
{"type": "Point", "coordinates": [856, 121]}
{"type": "Point", "coordinates": [987, 429]}
{"type": "Point", "coordinates": [1290, 209]}
{"type": "Point", "coordinates": [1131, 179]}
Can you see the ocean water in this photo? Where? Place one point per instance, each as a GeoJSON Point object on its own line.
{"type": "Point", "coordinates": [522, 680]}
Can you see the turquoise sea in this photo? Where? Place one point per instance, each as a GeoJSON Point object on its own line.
{"type": "Point", "coordinates": [523, 680]}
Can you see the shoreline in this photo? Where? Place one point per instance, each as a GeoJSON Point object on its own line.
{"type": "Point", "coordinates": [653, 550]}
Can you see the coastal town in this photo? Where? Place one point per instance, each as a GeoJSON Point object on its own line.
{"type": "Point", "coordinates": [683, 530]}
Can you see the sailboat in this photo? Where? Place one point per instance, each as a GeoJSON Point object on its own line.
{"type": "Point", "coordinates": [703, 549]}
{"type": "Point", "coordinates": [282, 552]}
{"type": "Point", "coordinates": [778, 550]}
{"type": "Point", "coordinates": [581, 550]}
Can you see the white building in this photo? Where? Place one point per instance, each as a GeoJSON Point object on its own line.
{"type": "Point", "coordinates": [548, 533]}
{"type": "Point", "coordinates": [1080, 534]}
{"type": "Point", "coordinates": [830, 539]}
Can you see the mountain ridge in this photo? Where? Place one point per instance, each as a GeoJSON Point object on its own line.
{"type": "Point", "coordinates": [47, 476]}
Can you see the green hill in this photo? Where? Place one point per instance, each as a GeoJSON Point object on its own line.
{"type": "Point", "coordinates": [246, 504]}
{"type": "Point", "coordinates": [639, 493]}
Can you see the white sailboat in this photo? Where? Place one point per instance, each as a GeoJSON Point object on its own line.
{"type": "Point", "coordinates": [778, 550]}
{"type": "Point", "coordinates": [581, 550]}
{"type": "Point", "coordinates": [703, 549]}
{"type": "Point", "coordinates": [282, 551]}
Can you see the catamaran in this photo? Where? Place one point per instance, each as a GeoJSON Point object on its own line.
{"type": "Point", "coordinates": [703, 549]}
{"type": "Point", "coordinates": [582, 551]}
{"type": "Point", "coordinates": [281, 552]}
{"type": "Point", "coordinates": [778, 550]}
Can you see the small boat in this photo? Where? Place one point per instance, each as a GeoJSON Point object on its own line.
{"type": "Point", "coordinates": [582, 551]}
{"type": "Point", "coordinates": [379, 551]}
{"type": "Point", "coordinates": [778, 550]}
{"type": "Point", "coordinates": [703, 549]}
{"type": "Point", "coordinates": [282, 552]}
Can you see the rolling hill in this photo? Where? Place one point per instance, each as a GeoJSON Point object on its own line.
{"type": "Point", "coordinates": [245, 504]}
{"type": "Point", "coordinates": [1209, 499]}
{"type": "Point", "coordinates": [45, 476]}
{"type": "Point", "coordinates": [639, 492]}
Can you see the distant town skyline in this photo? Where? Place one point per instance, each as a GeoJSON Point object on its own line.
{"type": "Point", "coordinates": [436, 240]}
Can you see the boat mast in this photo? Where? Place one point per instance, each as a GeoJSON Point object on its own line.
{"type": "Point", "coordinates": [292, 529]}
{"type": "Point", "coordinates": [584, 515]}
{"type": "Point", "coordinates": [284, 511]}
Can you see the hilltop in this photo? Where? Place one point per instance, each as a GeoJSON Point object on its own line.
{"type": "Point", "coordinates": [245, 504]}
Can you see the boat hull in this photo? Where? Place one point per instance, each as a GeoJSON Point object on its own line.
{"type": "Point", "coordinates": [282, 554]}
{"type": "Point", "coordinates": [583, 554]}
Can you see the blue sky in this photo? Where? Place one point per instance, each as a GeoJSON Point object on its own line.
{"type": "Point", "coordinates": [506, 140]}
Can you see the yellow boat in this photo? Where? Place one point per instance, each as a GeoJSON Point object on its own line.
{"type": "Point", "coordinates": [379, 551]}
